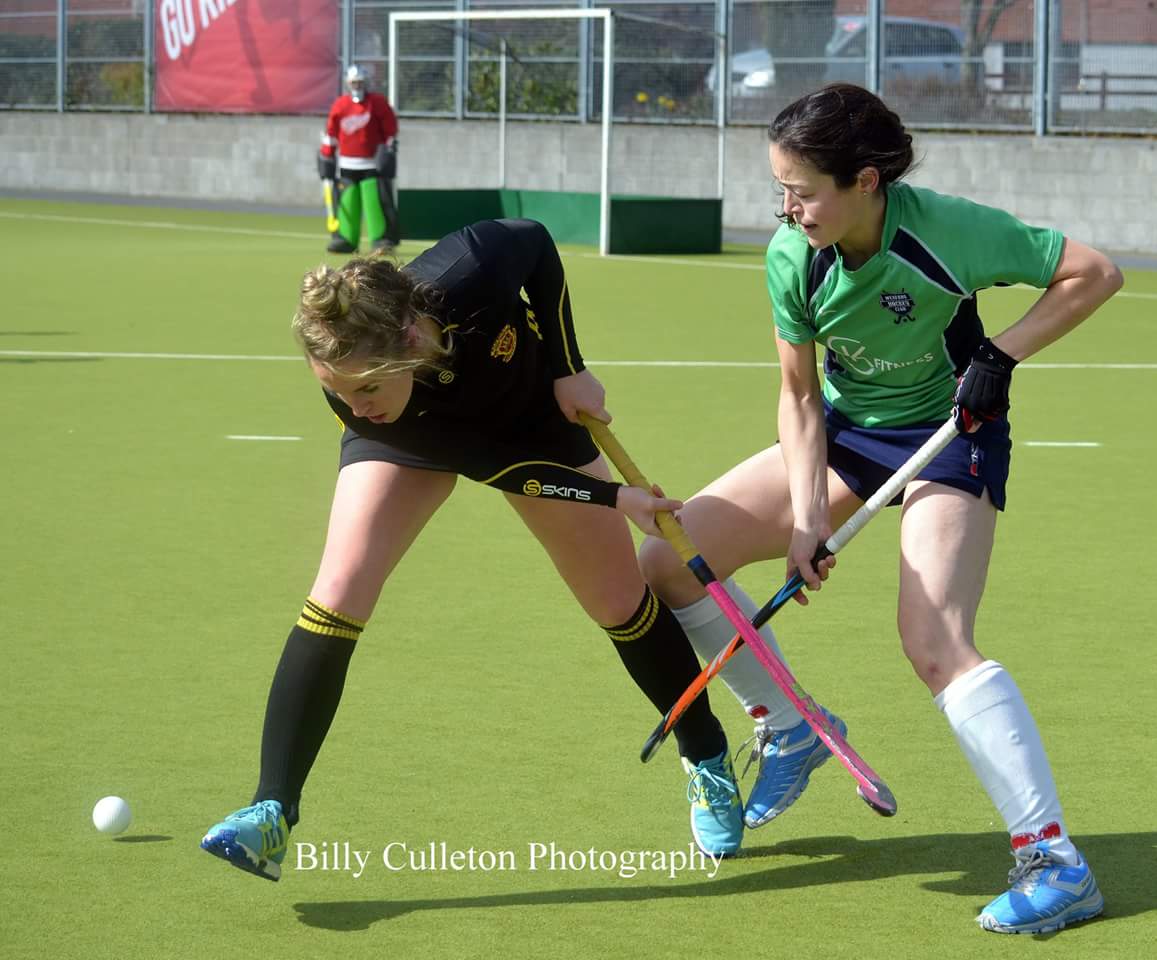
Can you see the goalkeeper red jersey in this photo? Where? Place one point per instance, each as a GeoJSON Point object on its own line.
{"type": "Point", "coordinates": [356, 130]}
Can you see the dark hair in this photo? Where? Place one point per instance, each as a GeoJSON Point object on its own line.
{"type": "Point", "coordinates": [841, 129]}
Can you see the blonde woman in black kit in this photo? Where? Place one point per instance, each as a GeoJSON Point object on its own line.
{"type": "Point", "coordinates": [441, 368]}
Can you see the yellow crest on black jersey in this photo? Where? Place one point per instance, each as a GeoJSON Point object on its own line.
{"type": "Point", "coordinates": [505, 344]}
{"type": "Point", "coordinates": [532, 488]}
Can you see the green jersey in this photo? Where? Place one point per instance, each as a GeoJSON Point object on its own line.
{"type": "Point", "coordinates": [899, 330]}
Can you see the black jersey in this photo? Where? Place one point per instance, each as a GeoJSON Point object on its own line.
{"type": "Point", "coordinates": [488, 411]}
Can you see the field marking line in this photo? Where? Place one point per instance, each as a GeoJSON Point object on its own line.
{"type": "Point", "coordinates": [161, 225]}
{"type": "Point", "coordinates": [121, 355]}
{"type": "Point", "coordinates": [1059, 443]}
{"type": "Point", "coordinates": [750, 364]}
{"type": "Point", "coordinates": [753, 364]}
{"type": "Point", "coordinates": [255, 436]}
{"type": "Point", "coordinates": [242, 231]}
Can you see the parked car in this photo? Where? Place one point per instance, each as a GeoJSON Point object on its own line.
{"type": "Point", "coordinates": [913, 50]}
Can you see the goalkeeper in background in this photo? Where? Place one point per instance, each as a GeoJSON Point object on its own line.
{"type": "Point", "coordinates": [363, 132]}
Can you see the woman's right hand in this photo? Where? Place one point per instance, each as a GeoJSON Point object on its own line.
{"type": "Point", "coordinates": [804, 544]}
{"type": "Point", "coordinates": [641, 506]}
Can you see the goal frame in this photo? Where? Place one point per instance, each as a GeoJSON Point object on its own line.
{"type": "Point", "coordinates": [607, 18]}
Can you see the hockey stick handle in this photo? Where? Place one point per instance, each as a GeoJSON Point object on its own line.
{"type": "Point", "coordinates": [672, 532]}
{"type": "Point", "coordinates": [893, 485]}
{"type": "Point", "coordinates": [927, 452]}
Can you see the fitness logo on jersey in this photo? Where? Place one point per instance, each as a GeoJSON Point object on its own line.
{"type": "Point", "coordinates": [853, 355]}
{"type": "Point", "coordinates": [505, 344]}
{"type": "Point", "coordinates": [900, 304]}
{"type": "Point", "coordinates": [446, 376]}
{"type": "Point", "coordinates": [532, 488]}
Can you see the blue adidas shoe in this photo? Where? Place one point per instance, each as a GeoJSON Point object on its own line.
{"type": "Point", "coordinates": [716, 811]}
{"type": "Point", "coordinates": [1046, 894]}
{"type": "Point", "coordinates": [786, 760]}
{"type": "Point", "coordinates": [253, 838]}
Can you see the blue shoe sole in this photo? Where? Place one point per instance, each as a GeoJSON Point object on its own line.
{"type": "Point", "coordinates": [224, 845]}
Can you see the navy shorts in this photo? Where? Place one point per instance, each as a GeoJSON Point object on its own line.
{"type": "Point", "coordinates": [865, 457]}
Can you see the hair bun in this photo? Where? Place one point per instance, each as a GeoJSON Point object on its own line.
{"type": "Point", "coordinates": [327, 293]}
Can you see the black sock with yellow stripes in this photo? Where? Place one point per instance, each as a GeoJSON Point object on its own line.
{"type": "Point", "coordinates": [303, 699]}
{"type": "Point", "coordinates": [659, 658]}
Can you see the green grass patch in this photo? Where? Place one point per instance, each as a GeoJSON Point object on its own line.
{"type": "Point", "coordinates": [153, 568]}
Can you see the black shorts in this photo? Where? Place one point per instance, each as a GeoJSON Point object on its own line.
{"type": "Point", "coordinates": [478, 452]}
{"type": "Point", "coordinates": [865, 457]}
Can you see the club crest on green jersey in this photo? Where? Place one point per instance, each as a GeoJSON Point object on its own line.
{"type": "Point", "coordinates": [900, 304]}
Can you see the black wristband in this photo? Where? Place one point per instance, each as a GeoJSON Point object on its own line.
{"type": "Point", "coordinates": [982, 393]}
{"type": "Point", "coordinates": [989, 352]}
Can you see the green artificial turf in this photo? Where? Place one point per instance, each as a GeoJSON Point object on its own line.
{"type": "Point", "coordinates": [152, 568]}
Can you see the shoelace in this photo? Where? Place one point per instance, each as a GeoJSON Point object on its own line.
{"type": "Point", "coordinates": [1026, 873]}
{"type": "Point", "coordinates": [717, 790]}
{"type": "Point", "coordinates": [761, 738]}
{"type": "Point", "coordinates": [260, 816]}
{"type": "Point", "coordinates": [254, 814]}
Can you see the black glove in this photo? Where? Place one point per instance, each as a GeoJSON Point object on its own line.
{"type": "Point", "coordinates": [326, 167]}
{"type": "Point", "coordinates": [386, 160]}
{"type": "Point", "coordinates": [982, 392]}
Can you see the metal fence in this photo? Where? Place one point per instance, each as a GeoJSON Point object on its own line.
{"type": "Point", "coordinates": [1030, 65]}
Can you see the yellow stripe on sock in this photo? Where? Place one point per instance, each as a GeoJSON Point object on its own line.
{"type": "Point", "coordinates": [325, 622]}
{"type": "Point", "coordinates": [641, 624]}
{"type": "Point", "coordinates": [343, 618]}
{"type": "Point", "coordinates": [326, 630]}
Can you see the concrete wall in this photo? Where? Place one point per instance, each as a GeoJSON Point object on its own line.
{"type": "Point", "coordinates": [1100, 191]}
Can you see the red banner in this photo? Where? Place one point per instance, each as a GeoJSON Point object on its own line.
{"type": "Point", "coordinates": [246, 56]}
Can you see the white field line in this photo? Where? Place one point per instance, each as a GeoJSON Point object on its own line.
{"type": "Point", "coordinates": [161, 225]}
{"type": "Point", "coordinates": [242, 231]}
{"type": "Point", "coordinates": [120, 355]}
{"type": "Point", "coordinates": [243, 436]}
{"type": "Point", "coordinates": [759, 364]}
{"type": "Point", "coordinates": [1027, 443]}
{"type": "Point", "coordinates": [604, 363]}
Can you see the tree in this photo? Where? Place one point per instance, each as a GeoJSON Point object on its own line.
{"type": "Point", "coordinates": [979, 25]}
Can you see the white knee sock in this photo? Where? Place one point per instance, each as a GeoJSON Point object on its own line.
{"type": "Point", "coordinates": [995, 730]}
{"type": "Point", "coordinates": [709, 632]}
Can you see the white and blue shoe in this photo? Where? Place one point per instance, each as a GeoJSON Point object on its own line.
{"type": "Point", "coordinates": [716, 810]}
{"type": "Point", "coordinates": [1045, 895]}
{"type": "Point", "coordinates": [786, 760]}
{"type": "Point", "coordinates": [253, 838]}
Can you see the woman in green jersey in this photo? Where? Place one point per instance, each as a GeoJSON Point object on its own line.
{"type": "Point", "coordinates": [885, 275]}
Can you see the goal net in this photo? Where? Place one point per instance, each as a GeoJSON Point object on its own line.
{"type": "Point", "coordinates": [549, 64]}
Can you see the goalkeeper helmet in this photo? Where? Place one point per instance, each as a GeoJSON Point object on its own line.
{"type": "Point", "coordinates": [356, 80]}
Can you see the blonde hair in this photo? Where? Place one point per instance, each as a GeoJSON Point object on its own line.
{"type": "Point", "coordinates": [365, 311]}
